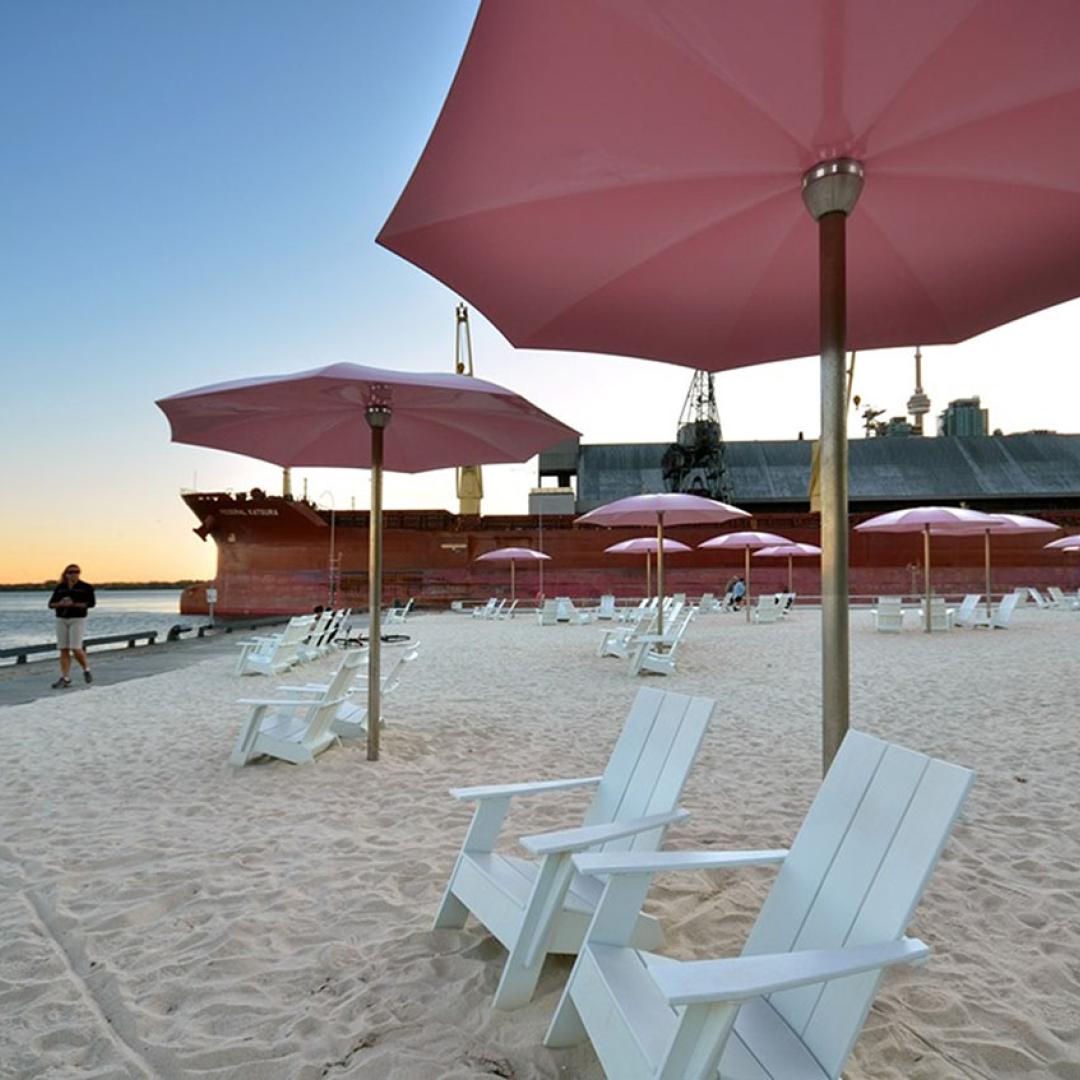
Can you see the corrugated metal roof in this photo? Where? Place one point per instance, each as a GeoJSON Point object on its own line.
{"type": "Point", "coordinates": [911, 470]}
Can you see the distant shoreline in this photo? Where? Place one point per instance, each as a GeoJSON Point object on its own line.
{"type": "Point", "coordinates": [144, 586]}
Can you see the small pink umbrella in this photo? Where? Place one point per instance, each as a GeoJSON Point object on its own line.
{"type": "Point", "coordinates": [674, 507]}
{"type": "Point", "coordinates": [930, 521]}
{"type": "Point", "coordinates": [745, 541]}
{"type": "Point", "coordinates": [1066, 543]}
{"type": "Point", "coordinates": [646, 545]}
{"type": "Point", "coordinates": [792, 551]}
{"type": "Point", "coordinates": [1008, 523]}
{"type": "Point", "coordinates": [349, 416]}
{"type": "Point", "coordinates": [513, 555]}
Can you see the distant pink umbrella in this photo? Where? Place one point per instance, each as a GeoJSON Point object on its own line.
{"type": "Point", "coordinates": [792, 551]}
{"type": "Point", "coordinates": [625, 177]}
{"type": "Point", "coordinates": [746, 542]}
{"type": "Point", "coordinates": [1066, 543]}
{"type": "Point", "coordinates": [646, 545]}
{"type": "Point", "coordinates": [672, 508]}
{"type": "Point", "coordinates": [322, 418]}
{"type": "Point", "coordinates": [513, 555]}
{"type": "Point", "coordinates": [1008, 523]}
{"type": "Point", "coordinates": [930, 521]}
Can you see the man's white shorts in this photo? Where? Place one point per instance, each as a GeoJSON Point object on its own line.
{"type": "Point", "coordinates": [69, 633]}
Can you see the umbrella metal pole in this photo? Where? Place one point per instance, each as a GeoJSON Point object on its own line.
{"type": "Point", "coordinates": [926, 578]}
{"type": "Point", "coordinates": [378, 419]}
{"type": "Point", "coordinates": [648, 575]}
{"type": "Point", "coordinates": [746, 571]}
{"type": "Point", "coordinates": [830, 191]}
{"type": "Point", "coordinates": [513, 585]}
{"type": "Point", "coordinates": [986, 552]}
{"type": "Point", "coordinates": [790, 579]}
{"type": "Point", "coordinates": [660, 574]}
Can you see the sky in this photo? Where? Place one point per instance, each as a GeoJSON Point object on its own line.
{"type": "Point", "coordinates": [191, 194]}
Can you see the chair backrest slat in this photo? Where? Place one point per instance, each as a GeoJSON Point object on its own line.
{"type": "Point", "coordinates": [651, 760]}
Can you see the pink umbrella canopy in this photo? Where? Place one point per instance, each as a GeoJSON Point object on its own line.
{"type": "Point", "coordinates": [629, 176]}
{"type": "Point", "coordinates": [1066, 543]}
{"type": "Point", "coordinates": [931, 521]}
{"type": "Point", "coordinates": [665, 508]}
{"type": "Point", "coordinates": [791, 551]}
{"type": "Point", "coordinates": [316, 418]}
{"type": "Point", "coordinates": [349, 416]}
{"type": "Point", "coordinates": [646, 545]}
{"type": "Point", "coordinates": [513, 555]}
{"type": "Point", "coordinates": [745, 541]}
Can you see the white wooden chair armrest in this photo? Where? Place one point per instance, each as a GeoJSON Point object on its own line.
{"type": "Point", "coordinates": [586, 836]}
{"type": "Point", "coordinates": [268, 701]}
{"type": "Point", "coordinates": [309, 688]}
{"type": "Point", "coordinates": [659, 862]}
{"type": "Point", "coordinates": [743, 977]}
{"type": "Point", "coordinates": [502, 791]}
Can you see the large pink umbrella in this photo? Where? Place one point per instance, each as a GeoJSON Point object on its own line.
{"type": "Point", "coordinates": [745, 541]}
{"type": "Point", "coordinates": [513, 555]}
{"type": "Point", "coordinates": [629, 176]}
{"type": "Point", "coordinates": [348, 416]}
{"type": "Point", "coordinates": [792, 551]}
{"type": "Point", "coordinates": [1008, 523]}
{"type": "Point", "coordinates": [646, 545]}
{"type": "Point", "coordinates": [671, 508]}
{"type": "Point", "coordinates": [930, 521]}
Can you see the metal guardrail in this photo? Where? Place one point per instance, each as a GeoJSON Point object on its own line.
{"type": "Point", "coordinates": [21, 652]}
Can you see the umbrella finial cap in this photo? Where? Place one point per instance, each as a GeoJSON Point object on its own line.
{"type": "Point", "coordinates": [378, 416]}
{"type": "Point", "coordinates": [832, 187]}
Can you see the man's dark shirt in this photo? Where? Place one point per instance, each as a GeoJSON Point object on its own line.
{"type": "Point", "coordinates": [81, 593]}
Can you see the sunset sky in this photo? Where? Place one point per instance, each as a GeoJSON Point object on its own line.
{"type": "Point", "coordinates": [192, 193]}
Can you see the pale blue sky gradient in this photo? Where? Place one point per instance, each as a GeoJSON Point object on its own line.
{"type": "Point", "coordinates": [191, 194]}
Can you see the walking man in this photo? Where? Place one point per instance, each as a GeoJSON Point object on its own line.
{"type": "Point", "coordinates": [71, 599]}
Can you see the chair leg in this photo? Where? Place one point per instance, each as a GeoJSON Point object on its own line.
{"type": "Point", "coordinates": [521, 972]}
{"type": "Point", "coordinates": [452, 912]}
{"type": "Point", "coordinates": [566, 1028]}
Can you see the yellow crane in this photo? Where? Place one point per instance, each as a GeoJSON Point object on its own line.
{"type": "Point", "coordinates": [470, 480]}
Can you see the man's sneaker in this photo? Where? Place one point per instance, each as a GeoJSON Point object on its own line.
{"type": "Point", "coordinates": [61, 684]}
{"type": "Point", "coordinates": [88, 675]}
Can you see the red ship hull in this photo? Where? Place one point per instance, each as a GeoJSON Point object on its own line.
{"type": "Point", "coordinates": [274, 558]}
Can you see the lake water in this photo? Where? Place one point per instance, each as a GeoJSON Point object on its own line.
{"type": "Point", "coordinates": [25, 618]}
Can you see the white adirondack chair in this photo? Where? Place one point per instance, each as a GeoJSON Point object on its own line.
{"type": "Point", "coordinates": [786, 600]}
{"type": "Point", "coordinates": [622, 641]}
{"type": "Point", "coordinates": [397, 615]}
{"type": "Point", "coordinates": [1062, 600]}
{"type": "Point", "coordinates": [941, 616]}
{"type": "Point", "coordinates": [636, 614]}
{"type": "Point", "coordinates": [1002, 614]}
{"type": "Point", "coordinates": [548, 615]}
{"type": "Point", "coordinates": [318, 639]}
{"type": "Point", "coordinates": [1040, 601]}
{"type": "Point", "coordinates": [968, 609]}
{"type": "Point", "coordinates": [656, 652]}
{"type": "Point", "coordinates": [889, 615]}
{"type": "Point", "coordinates": [793, 1004]}
{"type": "Point", "coordinates": [485, 610]}
{"type": "Point", "coordinates": [506, 612]}
{"type": "Point", "coordinates": [606, 611]}
{"type": "Point", "coordinates": [535, 908]}
{"type": "Point", "coordinates": [768, 609]}
{"type": "Point", "coordinates": [568, 613]}
{"type": "Point", "coordinates": [708, 604]}
{"type": "Point", "coordinates": [275, 653]}
{"type": "Point", "coordinates": [297, 728]}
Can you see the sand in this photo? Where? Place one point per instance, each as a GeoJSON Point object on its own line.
{"type": "Point", "coordinates": [163, 914]}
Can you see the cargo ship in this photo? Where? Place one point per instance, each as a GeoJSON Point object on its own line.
{"type": "Point", "coordinates": [279, 555]}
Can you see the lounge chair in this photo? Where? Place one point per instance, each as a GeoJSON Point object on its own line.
{"type": "Point", "coordinates": [941, 616]}
{"type": "Point", "coordinates": [1062, 600]}
{"type": "Point", "coordinates": [708, 604]}
{"type": "Point", "coordinates": [623, 641]}
{"type": "Point", "coordinates": [396, 615]}
{"type": "Point", "coordinates": [1040, 601]}
{"type": "Point", "coordinates": [485, 610]}
{"type": "Point", "coordinates": [786, 600]}
{"type": "Point", "coordinates": [548, 613]}
{"type": "Point", "coordinates": [539, 907]}
{"type": "Point", "coordinates": [793, 1004]}
{"type": "Point", "coordinates": [889, 615]}
{"type": "Point", "coordinates": [505, 612]}
{"type": "Point", "coordinates": [768, 609]}
{"type": "Point", "coordinates": [656, 652]}
{"type": "Point", "coordinates": [297, 728]}
{"type": "Point", "coordinates": [606, 610]}
{"type": "Point", "coordinates": [967, 611]}
{"type": "Point", "coordinates": [274, 653]}
{"type": "Point", "coordinates": [1002, 614]}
